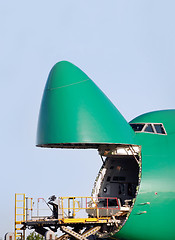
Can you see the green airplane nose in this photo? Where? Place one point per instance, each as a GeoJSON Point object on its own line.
{"type": "Point", "coordinates": [76, 113]}
{"type": "Point", "coordinates": [64, 74]}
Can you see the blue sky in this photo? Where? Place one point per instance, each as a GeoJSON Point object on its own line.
{"type": "Point", "coordinates": [126, 47]}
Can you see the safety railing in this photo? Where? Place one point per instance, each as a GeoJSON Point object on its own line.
{"type": "Point", "coordinates": [40, 209]}
{"type": "Point", "coordinates": [20, 215]}
{"type": "Point", "coordinates": [95, 207]}
{"type": "Point", "coordinates": [70, 209]}
{"type": "Point", "coordinates": [29, 208]}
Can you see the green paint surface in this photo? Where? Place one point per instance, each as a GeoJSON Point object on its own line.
{"type": "Point", "coordinates": [75, 110]}
{"type": "Point", "coordinates": [157, 183]}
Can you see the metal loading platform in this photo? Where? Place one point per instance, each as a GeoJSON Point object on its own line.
{"type": "Point", "coordinates": [76, 217]}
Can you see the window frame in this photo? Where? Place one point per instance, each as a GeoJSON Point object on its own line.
{"type": "Point", "coordinates": [153, 127]}
{"type": "Point", "coordinates": [162, 127]}
{"type": "Point", "coordinates": [146, 125]}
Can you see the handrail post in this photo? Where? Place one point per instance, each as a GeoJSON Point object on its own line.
{"type": "Point", "coordinates": [73, 207]}
{"type": "Point", "coordinates": [62, 207]}
{"type": "Point", "coordinates": [38, 207]}
{"type": "Point", "coordinates": [27, 209]}
{"type": "Point", "coordinates": [31, 206]}
{"type": "Point", "coordinates": [97, 209]}
{"type": "Point", "coordinates": [68, 207]}
{"type": "Point", "coordinates": [107, 206]}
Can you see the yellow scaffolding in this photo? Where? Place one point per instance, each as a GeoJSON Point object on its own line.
{"type": "Point", "coordinates": [75, 204]}
{"type": "Point", "coordinates": [66, 211]}
{"type": "Point", "coordinates": [70, 206]}
{"type": "Point", "coordinates": [20, 215]}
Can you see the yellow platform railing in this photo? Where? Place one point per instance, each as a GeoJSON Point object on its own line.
{"type": "Point", "coordinates": [23, 205]}
{"type": "Point", "coordinates": [69, 206]}
{"type": "Point", "coordinates": [20, 215]}
{"type": "Point", "coordinates": [66, 210]}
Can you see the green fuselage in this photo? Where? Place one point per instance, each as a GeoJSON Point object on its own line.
{"type": "Point", "coordinates": [75, 113]}
{"type": "Point", "coordinates": [154, 220]}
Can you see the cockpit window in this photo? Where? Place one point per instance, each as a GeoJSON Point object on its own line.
{"type": "Point", "coordinates": [137, 127]}
{"type": "Point", "coordinates": [148, 128]}
{"type": "Point", "coordinates": [159, 128]}
{"type": "Point", "coordinates": [156, 128]}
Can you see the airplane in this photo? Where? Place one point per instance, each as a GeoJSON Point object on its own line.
{"type": "Point", "coordinates": [138, 170]}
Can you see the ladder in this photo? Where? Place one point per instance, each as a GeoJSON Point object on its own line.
{"type": "Point", "coordinates": [20, 215]}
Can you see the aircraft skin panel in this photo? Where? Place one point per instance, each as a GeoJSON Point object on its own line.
{"type": "Point", "coordinates": [167, 117]}
{"type": "Point", "coordinates": [154, 220]}
{"type": "Point", "coordinates": [75, 110]}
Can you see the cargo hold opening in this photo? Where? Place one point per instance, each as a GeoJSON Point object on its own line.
{"type": "Point", "coordinates": [117, 182]}
{"type": "Point", "coordinates": [121, 179]}
{"type": "Point", "coordinates": [106, 211]}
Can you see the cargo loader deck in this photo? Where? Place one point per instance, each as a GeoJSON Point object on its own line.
{"type": "Point", "coordinates": [77, 217]}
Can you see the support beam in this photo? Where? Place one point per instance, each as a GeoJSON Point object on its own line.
{"type": "Point", "coordinates": [73, 233]}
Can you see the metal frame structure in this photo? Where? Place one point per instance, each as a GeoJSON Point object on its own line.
{"type": "Point", "coordinates": [20, 215]}
{"type": "Point", "coordinates": [68, 209]}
